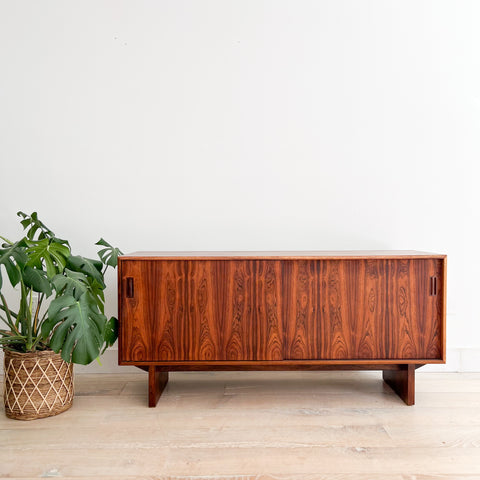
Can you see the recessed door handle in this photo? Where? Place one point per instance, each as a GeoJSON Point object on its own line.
{"type": "Point", "coordinates": [433, 286]}
{"type": "Point", "coordinates": [129, 289]}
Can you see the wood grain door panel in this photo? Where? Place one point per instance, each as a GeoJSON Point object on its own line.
{"type": "Point", "coordinates": [413, 323]}
{"type": "Point", "coordinates": [153, 320]}
{"type": "Point", "coordinates": [203, 310]}
{"type": "Point", "coordinates": [362, 309]}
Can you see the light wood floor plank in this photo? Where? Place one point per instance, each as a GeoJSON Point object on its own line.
{"type": "Point", "coordinates": [188, 460]}
{"type": "Point", "coordinates": [273, 477]}
{"type": "Point", "coordinates": [341, 476]}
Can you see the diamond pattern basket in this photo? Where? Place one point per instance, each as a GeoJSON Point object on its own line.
{"type": "Point", "coordinates": [37, 384]}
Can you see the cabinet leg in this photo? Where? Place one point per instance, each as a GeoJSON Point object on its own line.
{"type": "Point", "coordinates": [402, 382]}
{"type": "Point", "coordinates": [157, 381]}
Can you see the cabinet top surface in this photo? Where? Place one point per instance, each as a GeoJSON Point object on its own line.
{"type": "Point", "coordinates": [280, 255]}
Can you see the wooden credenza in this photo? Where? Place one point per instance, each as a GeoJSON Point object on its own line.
{"type": "Point", "coordinates": [372, 310]}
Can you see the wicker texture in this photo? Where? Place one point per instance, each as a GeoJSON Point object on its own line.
{"type": "Point", "coordinates": [37, 385]}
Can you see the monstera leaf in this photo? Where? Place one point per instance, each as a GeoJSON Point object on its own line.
{"type": "Point", "coordinates": [77, 327]}
{"type": "Point", "coordinates": [37, 280]}
{"type": "Point", "coordinates": [71, 283]}
{"type": "Point", "coordinates": [53, 252]}
{"type": "Point", "coordinates": [13, 258]}
{"type": "Point", "coordinates": [110, 333]}
{"type": "Point", "coordinates": [92, 271]}
{"type": "Point", "coordinates": [34, 225]}
{"type": "Point", "coordinates": [108, 255]}
{"type": "Point", "coordinates": [91, 268]}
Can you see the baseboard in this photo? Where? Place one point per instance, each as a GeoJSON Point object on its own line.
{"type": "Point", "coordinates": [458, 360]}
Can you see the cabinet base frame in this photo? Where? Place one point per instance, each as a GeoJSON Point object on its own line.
{"type": "Point", "coordinates": [400, 377]}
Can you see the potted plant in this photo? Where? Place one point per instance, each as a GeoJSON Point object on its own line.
{"type": "Point", "coordinates": [59, 319]}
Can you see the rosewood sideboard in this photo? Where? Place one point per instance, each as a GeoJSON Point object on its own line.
{"type": "Point", "coordinates": [371, 310]}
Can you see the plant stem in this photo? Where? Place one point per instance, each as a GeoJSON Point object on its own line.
{"type": "Point", "coordinates": [11, 312]}
{"type": "Point", "coordinates": [37, 341]}
{"type": "Point", "coordinates": [37, 312]}
{"type": "Point", "coordinates": [6, 240]}
{"type": "Point", "coordinates": [5, 308]}
{"type": "Point", "coordinates": [40, 323]}
{"type": "Point", "coordinates": [28, 313]}
{"type": "Point", "coordinates": [30, 302]}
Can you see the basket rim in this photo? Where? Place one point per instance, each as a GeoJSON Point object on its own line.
{"type": "Point", "coordinates": [35, 353]}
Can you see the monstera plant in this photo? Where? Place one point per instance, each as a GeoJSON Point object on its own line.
{"type": "Point", "coordinates": [60, 303]}
{"type": "Point", "coordinates": [58, 319]}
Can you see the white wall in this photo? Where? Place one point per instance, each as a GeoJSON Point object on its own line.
{"type": "Point", "coordinates": [249, 124]}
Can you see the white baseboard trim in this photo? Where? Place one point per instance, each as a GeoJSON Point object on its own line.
{"type": "Point", "coordinates": [458, 360]}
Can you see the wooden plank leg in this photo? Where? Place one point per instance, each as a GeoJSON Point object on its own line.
{"type": "Point", "coordinates": [402, 382]}
{"type": "Point", "coordinates": [157, 381]}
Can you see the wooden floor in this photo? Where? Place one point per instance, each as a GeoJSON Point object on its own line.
{"type": "Point", "coordinates": [255, 425]}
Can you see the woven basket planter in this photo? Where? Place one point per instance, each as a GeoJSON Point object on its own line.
{"type": "Point", "coordinates": [37, 385]}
